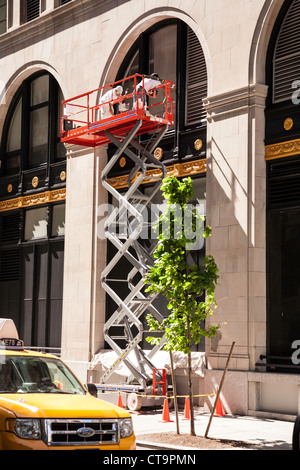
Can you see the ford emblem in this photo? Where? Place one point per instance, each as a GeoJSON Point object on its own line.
{"type": "Point", "coordinates": [85, 432]}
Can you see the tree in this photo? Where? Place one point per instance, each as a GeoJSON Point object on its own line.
{"type": "Point", "coordinates": [189, 288]}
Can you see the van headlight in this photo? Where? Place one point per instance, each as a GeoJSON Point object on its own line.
{"type": "Point", "coordinates": [27, 428]}
{"type": "Point", "coordinates": [126, 428]}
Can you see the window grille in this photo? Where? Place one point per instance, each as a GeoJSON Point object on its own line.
{"type": "Point", "coordinates": [196, 81]}
{"type": "Point", "coordinates": [284, 184]}
{"type": "Point", "coordinates": [32, 9]}
{"type": "Point", "coordinates": [286, 61]}
{"type": "Point", "coordinates": [10, 227]}
{"type": "Point", "coordinates": [10, 265]}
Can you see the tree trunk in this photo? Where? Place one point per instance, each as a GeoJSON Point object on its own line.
{"type": "Point", "coordinates": [192, 428]}
{"type": "Point", "coordinates": [190, 385]}
{"type": "Point", "coordinates": [174, 391]}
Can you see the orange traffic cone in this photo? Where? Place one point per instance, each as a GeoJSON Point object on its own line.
{"type": "Point", "coordinates": [186, 409]}
{"type": "Point", "coordinates": [219, 410]}
{"type": "Point", "coordinates": [120, 403]}
{"type": "Point", "coordinates": [166, 414]}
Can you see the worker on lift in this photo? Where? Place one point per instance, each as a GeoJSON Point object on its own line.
{"type": "Point", "coordinates": [107, 101]}
{"type": "Point", "coordinates": [150, 83]}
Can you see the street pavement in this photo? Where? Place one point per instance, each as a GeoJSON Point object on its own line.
{"type": "Point", "coordinates": [266, 434]}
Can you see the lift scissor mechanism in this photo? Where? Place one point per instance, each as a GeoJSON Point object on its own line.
{"type": "Point", "coordinates": [90, 120]}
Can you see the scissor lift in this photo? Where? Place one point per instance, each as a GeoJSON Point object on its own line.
{"type": "Point", "coordinates": [80, 125]}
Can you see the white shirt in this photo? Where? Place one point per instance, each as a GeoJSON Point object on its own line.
{"type": "Point", "coordinates": [110, 95]}
{"type": "Point", "coordinates": [149, 83]}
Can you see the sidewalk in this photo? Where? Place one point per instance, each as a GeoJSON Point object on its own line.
{"type": "Point", "coordinates": [266, 434]}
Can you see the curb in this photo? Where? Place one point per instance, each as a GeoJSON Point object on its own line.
{"type": "Point", "coordinates": [156, 445]}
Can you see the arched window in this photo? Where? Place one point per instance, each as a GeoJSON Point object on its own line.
{"type": "Point", "coordinates": [172, 49]}
{"type": "Point", "coordinates": [31, 133]}
{"type": "Point", "coordinates": [33, 168]}
{"type": "Point", "coordinates": [286, 61]}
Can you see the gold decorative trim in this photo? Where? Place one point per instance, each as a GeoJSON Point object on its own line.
{"type": "Point", "coordinates": [122, 162]}
{"type": "Point", "coordinates": [158, 153]}
{"type": "Point", "coordinates": [63, 176]}
{"type": "Point", "coordinates": [283, 149]}
{"type": "Point", "coordinates": [178, 170]}
{"type": "Point", "coordinates": [288, 124]}
{"type": "Point", "coordinates": [33, 200]}
{"type": "Point", "coordinates": [198, 144]}
{"type": "Point", "coordinates": [35, 182]}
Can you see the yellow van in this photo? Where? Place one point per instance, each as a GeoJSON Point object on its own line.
{"type": "Point", "coordinates": [43, 405]}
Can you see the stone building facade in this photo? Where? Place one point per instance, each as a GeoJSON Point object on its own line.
{"type": "Point", "coordinates": [244, 113]}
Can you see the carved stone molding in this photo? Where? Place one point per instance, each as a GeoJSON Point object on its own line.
{"type": "Point", "coordinates": [235, 101]}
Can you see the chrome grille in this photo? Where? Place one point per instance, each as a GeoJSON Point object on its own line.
{"type": "Point", "coordinates": [65, 432]}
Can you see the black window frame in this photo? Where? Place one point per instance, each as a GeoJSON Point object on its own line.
{"type": "Point", "coordinates": [282, 199]}
{"type": "Point", "coordinates": [3, 5]}
{"type": "Point", "coordinates": [15, 235]}
{"type": "Point", "coordinates": [142, 45]}
{"type": "Point", "coordinates": [53, 104]}
{"type": "Point", "coordinates": [13, 254]}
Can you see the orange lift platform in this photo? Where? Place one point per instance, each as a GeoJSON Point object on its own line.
{"type": "Point", "coordinates": [108, 115]}
{"type": "Point", "coordinates": [87, 117]}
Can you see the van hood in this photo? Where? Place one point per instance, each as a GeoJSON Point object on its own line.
{"type": "Point", "coordinates": [50, 405]}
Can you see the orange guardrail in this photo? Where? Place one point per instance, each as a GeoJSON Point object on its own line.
{"type": "Point", "coordinates": [116, 107]}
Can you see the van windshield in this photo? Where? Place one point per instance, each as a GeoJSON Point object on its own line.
{"type": "Point", "coordinates": [31, 374]}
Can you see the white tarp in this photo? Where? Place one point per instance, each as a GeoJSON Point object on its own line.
{"type": "Point", "coordinates": [161, 360]}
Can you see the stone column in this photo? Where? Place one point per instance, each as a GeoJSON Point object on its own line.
{"type": "Point", "coordinates": [85, 256]}
{"type": "Point", "coordinates": [100, 252]}
{"type": "Point", "coordinates": [236, 213]}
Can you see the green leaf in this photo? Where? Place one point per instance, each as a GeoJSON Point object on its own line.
{"type": "Point", "coordinates": [189, 288]}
